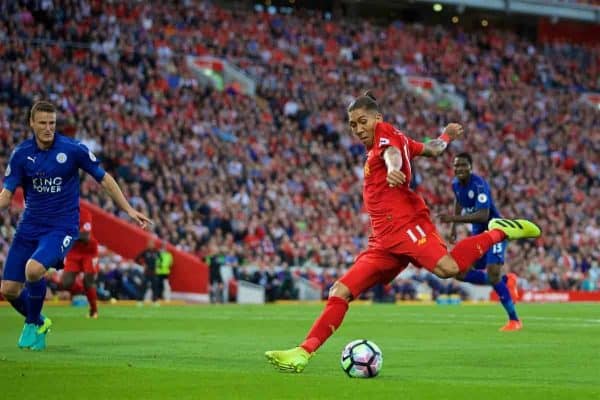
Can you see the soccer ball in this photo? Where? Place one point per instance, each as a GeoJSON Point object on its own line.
{"type": "Point", "coordinates": [362, 359]}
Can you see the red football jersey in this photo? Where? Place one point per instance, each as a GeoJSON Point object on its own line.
{"type": "Point", "coordinates": [390, 208]}
{"type": "Point", "coordinates": [85, 225]}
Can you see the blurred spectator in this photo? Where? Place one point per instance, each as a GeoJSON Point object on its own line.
{"type": "Point", "coordinates": [291, 184]}
{"type": "Point", "coordinates": [149, 258]}
{"type": "Point", "coordinates": [163, 270]}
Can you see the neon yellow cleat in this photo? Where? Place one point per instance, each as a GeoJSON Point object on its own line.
{"type": "Point", "coordinates": [293, 360]}
{"type": "Point", "coordinates": [45, 327]}
{"type": "Point", "coordinates": [515, 228]}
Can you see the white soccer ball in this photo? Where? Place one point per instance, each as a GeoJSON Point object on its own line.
{"type": "Point", "coordinates": [362, 359]}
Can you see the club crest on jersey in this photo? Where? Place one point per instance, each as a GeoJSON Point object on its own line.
{"type": "Point", "coordinates": [471, 194]}
{"type": "Point", "coordinates": [61, 158]}
{"type": "Point", "coordinates": [482, 198]}
{"type": "Point", "coordinates": [7, 172]}
{"type": "Point", "coordinates": [383, 142]}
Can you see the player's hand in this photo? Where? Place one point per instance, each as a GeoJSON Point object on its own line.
{"type": "Point", "coordinates": [454, 130]}
{"type": "Point", "coordinates": [395, 178]}
{"type": "Point", "coordinates": [140, 219]}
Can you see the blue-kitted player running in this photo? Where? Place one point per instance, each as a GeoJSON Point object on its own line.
{"type": "Point", "coordinates": [47, 168]}
{"type": "Point", "coordinates": [474, 204]}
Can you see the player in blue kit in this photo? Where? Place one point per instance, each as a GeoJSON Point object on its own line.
{"type": "Point", "coordinates": [47, 168]}
{"type": "Point", "coordinates": [474, 205]}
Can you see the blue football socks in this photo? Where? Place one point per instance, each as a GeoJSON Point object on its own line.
{"type": "Point", "coordinates": [477, 277]}
{"type": "Point", "coordinates": [505, 298]}
{"type": "Point", "coordinates": [37, 294]}
{"type": "Point", "coordinates": [20, 303]}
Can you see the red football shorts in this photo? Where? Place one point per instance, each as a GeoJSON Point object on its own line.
{"type": "Point", "coordinates": [417, 242]}
{"type": "Point", "coordinates": [81, 263]}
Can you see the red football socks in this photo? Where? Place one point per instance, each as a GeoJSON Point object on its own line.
{"type": "Point", "coordinates": [472, 248]}
{"type": "Point", "coordinates": [92, 297]}
{"type": "Point", "coordinates": [331, 318]}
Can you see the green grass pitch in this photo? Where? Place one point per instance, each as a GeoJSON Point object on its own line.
{"type": "Point", "coordinates": [216, 352]}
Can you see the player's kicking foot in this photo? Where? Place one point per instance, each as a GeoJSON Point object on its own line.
{"type": "Point", "coordinates": [511, 284]}
{"type": "Point", "coordinates": [293, 360]}
{"type": "Point", "coordinates": [515, 228]}
{"type": "Point", "coordinates": [512, 325]}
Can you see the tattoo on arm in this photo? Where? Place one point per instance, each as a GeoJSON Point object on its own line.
{"type": "Point", "coordinates": [392, 158]}
{"type": "Point", "coordinates": [434, 148]}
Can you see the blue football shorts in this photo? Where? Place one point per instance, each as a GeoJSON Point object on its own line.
{"type": "Point", "coordinates": [48, 250]}
{"type": "Point", "coordinates": [495, 255]}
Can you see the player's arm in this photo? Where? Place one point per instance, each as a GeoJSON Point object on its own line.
{"type": "Point", "coordinates": [114, 191]}
{"type": "Point", "coordinates": [435, 147]}
{"type": "Point", "coordinates": [5, 198]}
{"type": "Point", "coordinates": [478, 217]}
{"type": "Point", "coordinates": [393, 162]}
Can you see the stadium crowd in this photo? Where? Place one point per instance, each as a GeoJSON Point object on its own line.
{"type": "Point", "coordinates": [275, 180]}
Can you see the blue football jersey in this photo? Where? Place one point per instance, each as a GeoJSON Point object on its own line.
{"type": "Point", "coordinates": [50, 181]}
{"type": "Point", "coordinates": [474, 196]}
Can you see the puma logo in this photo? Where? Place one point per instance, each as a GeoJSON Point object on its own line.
{"type": "Point", "coordinates": [332, 329]}
{"type": "Point", "coordinates": [32, 159]}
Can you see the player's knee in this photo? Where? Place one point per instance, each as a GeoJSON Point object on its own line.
{"type": "Point", "coordinates": [340, 290]}
{"type": "Point", "coordinates": [446, 268]}
{"type": "Point", "coordinates": [34, 271]}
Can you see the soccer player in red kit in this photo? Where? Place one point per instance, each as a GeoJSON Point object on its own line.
{"type": "Point", "coordinates": [402, 231]}
{"type": "Point", "coordinates": [83, 258]}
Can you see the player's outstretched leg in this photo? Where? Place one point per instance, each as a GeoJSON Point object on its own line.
{"type": "Point", "coordinates": [296, 359]}
{"type": "Point", "coordinates": [515, 228]}
{"type": "Point", "coordinates": [293, 360]}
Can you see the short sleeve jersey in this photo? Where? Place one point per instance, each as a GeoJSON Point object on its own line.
{"type": "Point", "coordinates": [383, 203]}
{"type": "Point", "coordinates": [474, 196]}
{"type": "Point", "coordinates": [50, 182]}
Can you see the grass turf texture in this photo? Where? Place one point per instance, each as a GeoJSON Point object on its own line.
{"type": "Point", "coordinates": [216, 352]}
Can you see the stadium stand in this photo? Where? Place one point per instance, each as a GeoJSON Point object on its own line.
{"type": "Point", "coordinates": [275, 180]}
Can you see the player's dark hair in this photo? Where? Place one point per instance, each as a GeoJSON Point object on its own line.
{"type": "Point", "coordinates": [41, 106]}
{"type": "Point", "coordinates": [466, 156]}
{"type": "Point", "coordinates": [366, 101]}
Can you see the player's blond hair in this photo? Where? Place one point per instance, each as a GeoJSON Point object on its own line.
{"type": "Point", "coordinates": [41, 106]}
